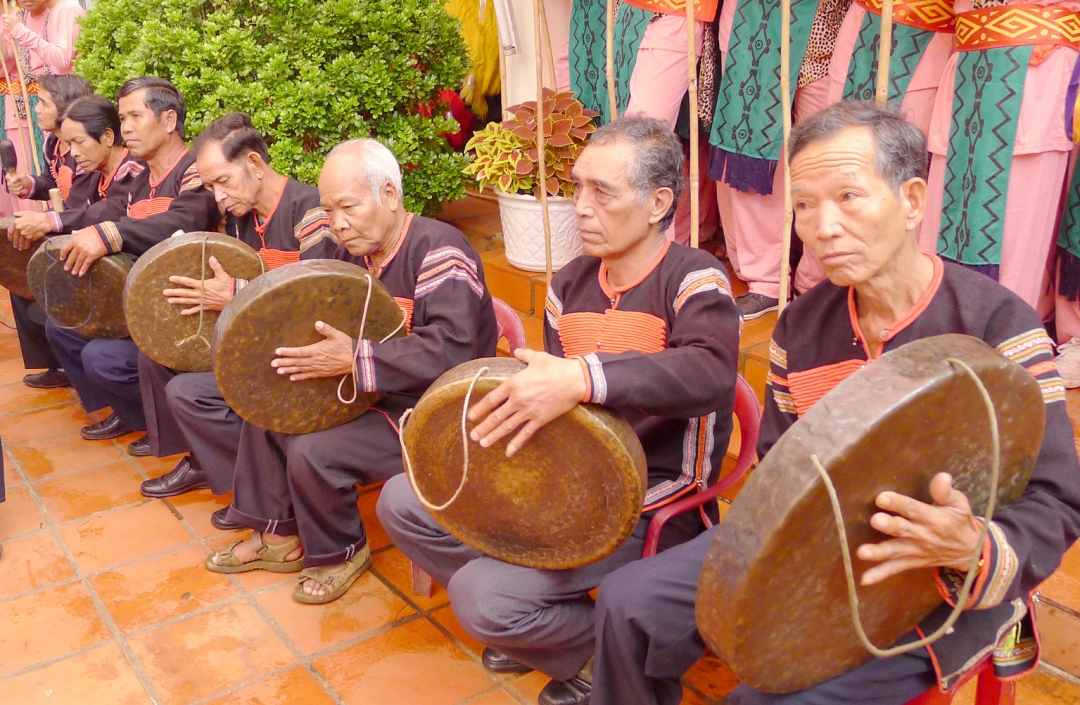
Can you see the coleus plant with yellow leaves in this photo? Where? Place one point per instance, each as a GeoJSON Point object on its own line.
{"type": "Point", "coordinates": [506, 157]}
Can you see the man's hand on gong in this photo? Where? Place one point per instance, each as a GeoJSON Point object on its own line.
{"type": "Point", "coordinates": [202, 295]}
{"type": "Point", "coordinates": [545, 390]}
{"type": "Point", "coordinates": [81, 251]}
{"type": "Point", "coordinates": [332, 357]}
{"type": "Point", "coordinates": [943, 534]}
{"type": "Point", "coordinates": [28, 227]}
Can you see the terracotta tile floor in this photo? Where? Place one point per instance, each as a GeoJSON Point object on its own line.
{"type": "Point", "coordinates": [104, 599]}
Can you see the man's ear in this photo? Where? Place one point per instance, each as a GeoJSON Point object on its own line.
{"type": "Point", "coordinates": [913, 194]}
{"type": "Point", "coordinates": [661, 203]}
{"type": "Point", "coordinates": [169, 120]}
{"type": "Point", "coordinates": [390, 195]}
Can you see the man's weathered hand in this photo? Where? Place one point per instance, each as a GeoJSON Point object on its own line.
{"type": "Point", "coordinates": [27, 228]}
{"type": "Point", "coordinates": [545, 390]}
{"type": "Point", "coordinates": [19, 185]}
{"type": "Point", "coordinates": [944, 534]}
{"type": "Point", "coordinates": [332, 357]}
{"type": "Point", "coordinates": [82, 250]}
{"type": "Point", "coordinates": [209, 295]}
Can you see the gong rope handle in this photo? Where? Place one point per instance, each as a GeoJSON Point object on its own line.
{"type": "Point", "coordinates": [198, 334]}
{"type": "Point", "coordinates": [355, 373]}
{"type": "Point", "coordinates": [845, 549]}
{"type": "Point", "coordinates": [464, 447]}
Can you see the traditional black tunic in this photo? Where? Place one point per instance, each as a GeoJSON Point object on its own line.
{"type": "Point", "coordinates": [107, 202]}
{"type": "Point", "coordinates": [186, 412]}
{"type": "Point", "coordinates": [306, 484]}
{"type": "Point", "coordinates": [816, 344]}
{"type": "Point", "coordinates": [662, 352]}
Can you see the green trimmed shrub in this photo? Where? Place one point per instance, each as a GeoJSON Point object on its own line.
{"type": "Point", "coordinates": [311, 73]}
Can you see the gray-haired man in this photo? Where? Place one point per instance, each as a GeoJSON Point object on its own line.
{"type": "Point", "coordinates": [859, 191]}
{"type": "Point", "coordinates": [668, 368]}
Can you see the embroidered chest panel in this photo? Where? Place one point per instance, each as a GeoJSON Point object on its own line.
{"type": "Point", "coordinates": [612, 331]}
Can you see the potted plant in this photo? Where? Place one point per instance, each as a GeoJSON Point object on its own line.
{"type": "Point", "coordinates": [505, 157]}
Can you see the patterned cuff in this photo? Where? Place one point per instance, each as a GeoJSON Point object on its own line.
{"type": "Point", "coordinates": [55, 223]}
{"type": "Point", "coordinates": [595, 380]}
{"type": "Point", "coordinates": [997, 570]}
{"type": "Point", "coordinates": [365, 366]}
{"type": "Point", "coordinates": [238, 284]}
{"type": "Point", "coordinates": [110, 237]}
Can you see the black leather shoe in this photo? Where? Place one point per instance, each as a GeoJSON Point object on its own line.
{"type": "Point", "coordinates": [220, 520]}
{"type": "Point", "coordinates": [49, 379]}
{"type": "Point", "coordinates": [183, 478]}
{"type": "Point", "coordinates": [501, 663]}
{"type": "Point", "coordinates": [576, 691]}
{"type": "Point", "coordinates": [111, 427]}
{"type": "Point", "coordinates": [140, 448]}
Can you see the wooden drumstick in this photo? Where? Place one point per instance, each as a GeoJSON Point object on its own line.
{"type": "Point", "coordinates": [884, 53]}
{"type": "Point", "coordinates": [691, 62]}
{"type": "Point", "coordinates": [56, 199]}
{"type": "Point", "coordinates": [785, 104]}
{"type": "Point", "coordinates": [26, 99]}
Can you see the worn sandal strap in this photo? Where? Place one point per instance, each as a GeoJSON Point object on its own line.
{"type": "Point", "coordinates": [276, 553]}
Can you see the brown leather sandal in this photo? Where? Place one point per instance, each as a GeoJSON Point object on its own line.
{"type": "Point", "coordinates": [335, 583]}
{"type": "Point", "coordinates": [271, 557]}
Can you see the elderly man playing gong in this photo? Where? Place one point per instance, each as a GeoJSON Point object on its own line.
{"type": "Point", "coordinates": [294, 489]}
{"type": "Point", "coordinates": [858, 184]}
{"type": "Point", "coordinates": [638, 324]}
{"type": "Point", "coordinates": [284, 221]}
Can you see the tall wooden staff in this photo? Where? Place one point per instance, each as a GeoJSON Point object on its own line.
{"type": "Point", "coordinates": [549, 50]}
{"type": "Point", "coordinates": [26, 98]}
{"type": "Point", "coordinates": [785, 104]}
{"type": "Point", "coordinates": [541, 139]}
{"type": "Point", "coordinates": [691, 63]}
{"type": "Point", "coordinates": [18, 122]}
{"type": "Point", "coordinates": [613, 103]}
{"type": "Point", "coordinates": [884, 53]}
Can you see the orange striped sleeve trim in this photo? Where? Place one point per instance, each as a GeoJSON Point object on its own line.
{"type": "Point", "coordinates": [406, 306]}
{"type": "Point", "coordinates": [809, 386]}
{"type": "Point", "coordinates": [1041, 367]}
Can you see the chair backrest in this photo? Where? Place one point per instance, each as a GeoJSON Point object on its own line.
{"type": "Point", "coordinates": [510, 325]}
{"type": "Point", "coordinates": [748, 412]}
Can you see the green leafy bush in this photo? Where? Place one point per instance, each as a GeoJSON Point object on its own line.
{"type": "Point", "coordinates": [311, 73]}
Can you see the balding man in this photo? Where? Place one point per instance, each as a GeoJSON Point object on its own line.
{"type": "Point", "coordinates": [290, 488]}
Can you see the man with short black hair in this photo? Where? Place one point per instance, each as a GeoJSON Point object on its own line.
{"type": "Point", "coordinates": [55, 93]}
{"type": "Point", "coordinates": [643, 326]}
{"type": "Point", "coordinates": [284, 221]}
{"type": "Point", "coordinates": [858, 184]}
{"type": "Point", "coordinates": [166, 197]}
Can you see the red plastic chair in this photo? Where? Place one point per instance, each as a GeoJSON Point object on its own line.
{"type": "Point", "coordinates": [748, 412]}
{"type": "Point", "coordinates": [988, 691]}
{"type": "Point", "coordinates": [510, 325]}
{"type": "Point", "coordinates": [511, 328]}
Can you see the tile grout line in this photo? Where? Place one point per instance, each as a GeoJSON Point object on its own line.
{"type": "Point", "coordinates": [99, 605]}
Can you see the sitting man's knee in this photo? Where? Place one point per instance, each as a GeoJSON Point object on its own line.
{"type": "Point", "coordinates": [482, 609]}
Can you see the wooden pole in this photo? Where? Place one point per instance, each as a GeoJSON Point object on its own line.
{"type": "Point", "coordinates": [541, 140]}
{"type": "Point", "coordinates": [884, 53]}
{"type": "Point", "coordinates": [691, 64]}
{"type": "Point", "coordinates": [613, 103]}
{"type": "Point", "coordinates": [549, 50]}
{"type": "Point", "coordinates": [18, 122]}
{"type": "Point", "coordinates": [785, 103]}
{"type": "Point", "coordinates": [26, 100]}
{"type": "Point", "coordinates": [502, 85]}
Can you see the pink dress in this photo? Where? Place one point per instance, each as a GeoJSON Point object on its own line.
{"type": "Point", "coordinates": [49, 41]}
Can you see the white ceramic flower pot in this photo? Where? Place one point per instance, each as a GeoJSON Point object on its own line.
{"type": "Point", "coordinates": [523, 231]}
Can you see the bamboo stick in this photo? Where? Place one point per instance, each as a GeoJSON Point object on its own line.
{"type": "Point", "coordinates": [548, 48]}
{"type": "Point", "coordinates": [541, 140]}
{"type": "Point", "coordinates": [18, 122]}
{"type": "Point", "coordinates": [26, 99]}
{"type": "Point", "coordinates": [884, 53]}
{"type": "Point", "coordinates": [785, 98]}
{"type": "Point", "coordinates": [613, 103]}
{"type": "Point", "coordinates": [691, 63]}
{"type": "Point", "coordinates": [502, 85]}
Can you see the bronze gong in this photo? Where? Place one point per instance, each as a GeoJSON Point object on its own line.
{"type": "Point", "coordinates": [13, 263]}
{"type": "Point", "coordinates": [569, 497]}
{"type": "Point", "coordinates": [92, 305]}
{"type": "Point", "coordinates": [181, 343]}
{"type": "Point", "coordinates": [772, 598]}
{"type": "Point", "coordinates": [279, 309]}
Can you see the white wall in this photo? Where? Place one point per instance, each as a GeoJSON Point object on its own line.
{"type": "Point", "coordinates": [521, 68]}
